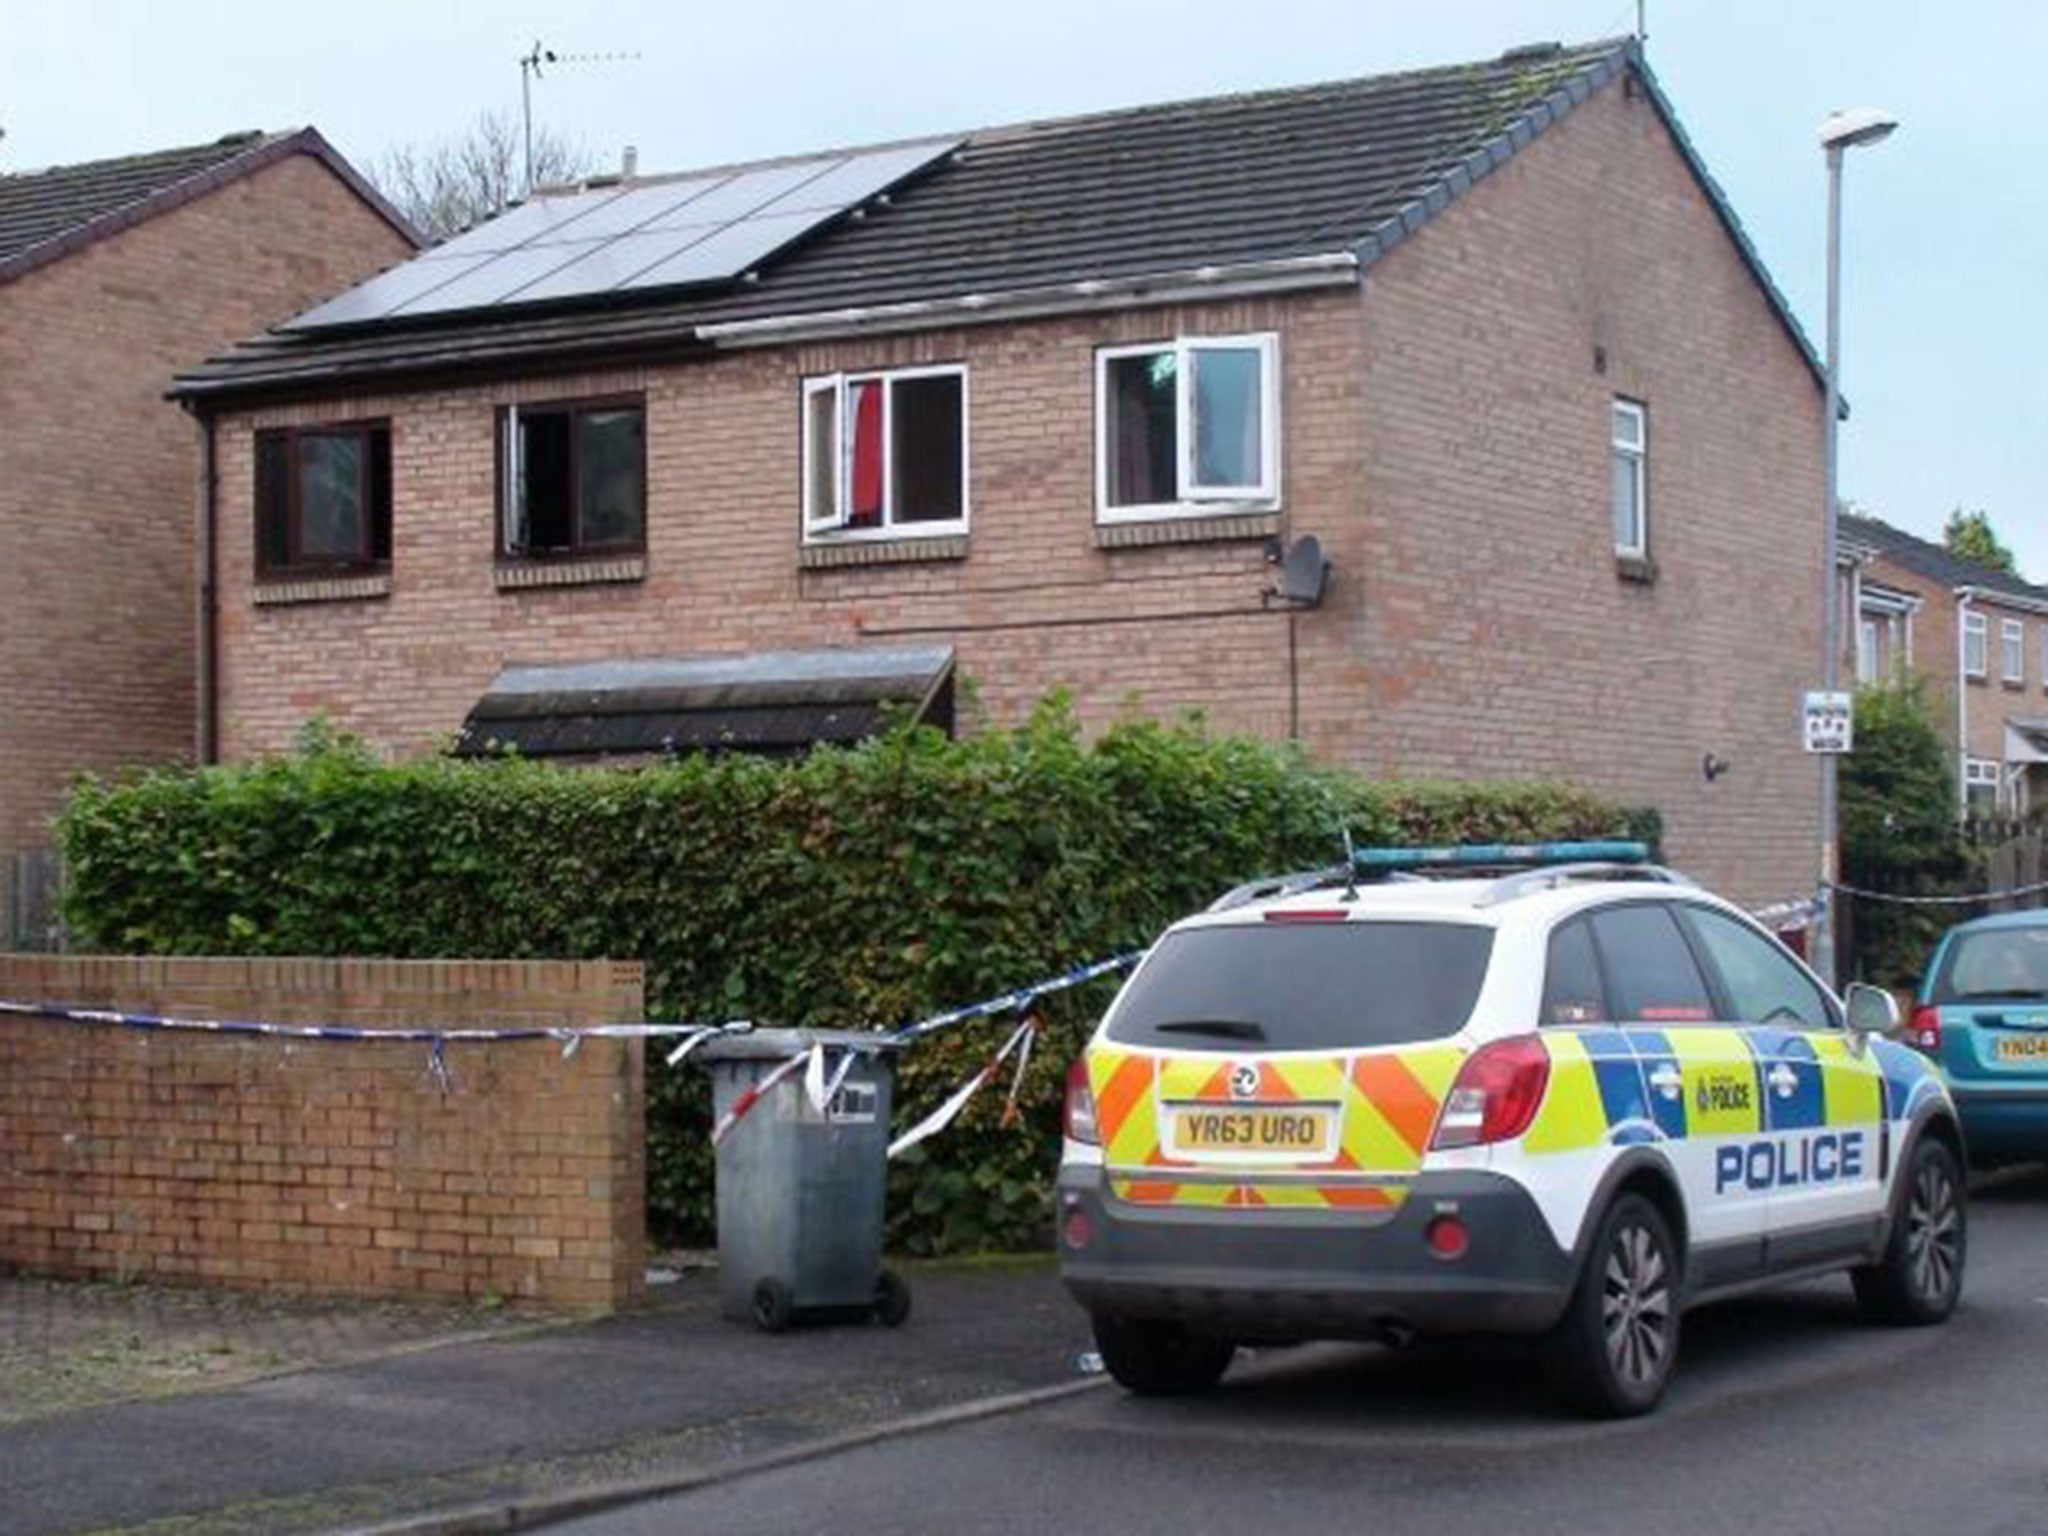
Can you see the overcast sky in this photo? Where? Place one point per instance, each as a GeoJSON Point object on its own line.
{"type": "Point", "coordinates": [1945, 353]}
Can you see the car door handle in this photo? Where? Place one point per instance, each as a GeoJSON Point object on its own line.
{"type": "Point", "coordinates": [1784, 1081]}
{"type": "Point", "coordinates": [1668, 1081]}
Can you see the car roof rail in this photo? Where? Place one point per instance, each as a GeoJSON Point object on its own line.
{"type": "Point", "coordinates": [1272, 887]}
{"type": "Point", "coordinates": [1529, 881]}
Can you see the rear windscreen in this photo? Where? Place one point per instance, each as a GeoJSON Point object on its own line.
{"type": "Point", "coordinates": [1304, 986]}
{"type": "Point", "coordinates": [1995, 963]}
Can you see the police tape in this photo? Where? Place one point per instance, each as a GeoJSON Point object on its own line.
{"type": "Point", "coordinates": [1966, 899]}
{"type": "Point", "coordinates": [814, 1058]}
{"type": "Point", "coordinates": [436, 1038]}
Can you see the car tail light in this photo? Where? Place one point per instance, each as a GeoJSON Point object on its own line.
{"type": "Point", "coordinates": [1496, 1094]}
{"type": "Point", "coordinates": [1077, 1229]}
{"type": "Point", "coordinates": [1081, 1106]}
{"type": "Point", "coordinates": [1308, 915]}
{"type": "Point", "coordinates": [1923, 1030]}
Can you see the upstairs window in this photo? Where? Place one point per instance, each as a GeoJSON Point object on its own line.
{"type": "Point", "coordinates": [2012, 637]}
{"type": "Point", "coordinates": [572, 479]}
{"type": "Point", "coordinates": [1629, 460]}
{"type": "Point", "coordinates": [1976, 645]}
{"type": "Point", "coordinates": [1187, 427]}
{"type": "Point", "coordinates": [885, 454]}
{"type": "Point", "coordinates": [323, 498]}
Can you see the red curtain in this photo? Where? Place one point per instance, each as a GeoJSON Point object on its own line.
{"type": "Point", "coordinates": [866, 511]}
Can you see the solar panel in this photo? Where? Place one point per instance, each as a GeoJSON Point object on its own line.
{"type": "Point", "coordinates": [687, 231]}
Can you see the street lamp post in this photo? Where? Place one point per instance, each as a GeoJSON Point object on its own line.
{"type": "Point", "coordinates": [1839, 134]}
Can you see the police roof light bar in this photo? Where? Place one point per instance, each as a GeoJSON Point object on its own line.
{"type": "Point", "coordinates": [1497, 855]}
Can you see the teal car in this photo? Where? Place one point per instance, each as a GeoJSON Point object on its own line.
{"type": "Point", "coordinates": [1982, 1014]}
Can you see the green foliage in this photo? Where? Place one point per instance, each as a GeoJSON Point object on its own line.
{"type": "Point", "coordinates": [855, 888]}
{"type": "Point", "coordinates": [1971, 536]}
{"type": "Point", "coordinates": [1899, 833]}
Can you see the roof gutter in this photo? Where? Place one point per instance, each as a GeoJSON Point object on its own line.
{"type": "Point", "coordinates": [1187, 285]}
{"type": "Point", "coordinates": [2001, 598]}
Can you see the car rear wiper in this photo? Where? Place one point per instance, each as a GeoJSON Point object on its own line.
{"type": "Point", "coordinates": [1228, 1029]}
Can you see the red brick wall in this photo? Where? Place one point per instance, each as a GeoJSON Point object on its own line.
{"type": "Point", "coordinates": [320, 1166]}
{"type": "Point", "coordinates": [99, 474]}
{"type": "Point", "coordinates": [1445, 434]}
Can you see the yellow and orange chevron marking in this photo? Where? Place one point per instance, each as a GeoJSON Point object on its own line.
{"type": "Point", "coordinates": [1388, 1103]}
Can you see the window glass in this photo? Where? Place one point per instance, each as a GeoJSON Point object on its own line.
{"type": "Point", "coordinates": [1305, 986]}
{"type": "Point", "coordinates": [332, 478]}
{"type": "Point", "coordinates": [1654, 977]}
{"type": "Point", "coordinates": [1626, 480]}
{"type": "Point", "coordinates": [1763, 984]}
{"type": "Point", "coordinates": [1975, 642]}
{"type": "Point", "coordinates": [864, 453]}
{"type": "Point", "coordinates": [273, 499]}
{"type": "Point", "coordinates": [1572, 990]}
{"type": "Point", "coordinates": [1143, 442]}
{"type": "Point", "coordinates": [609, 495]}
{"type": "Point", "coordinates": [925, 449]}
{"type": "Point", "coordinates": [2013, 636]}
{"type": "Point", "coordinates": [821, 407]}
{"type": "Point", "coordinates": [1995, 963]}
{"type": "Point", "coordinates": [1229, 417]}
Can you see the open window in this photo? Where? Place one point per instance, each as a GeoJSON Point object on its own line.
{"type": "Point", "coordinates": [572, 479]}
{"type": "Point", "coordinates": [323, 499]}
{"type": "Point", "coordinates": [885, 454]}
{"type": "Point", "coordinates": [1188, 427]}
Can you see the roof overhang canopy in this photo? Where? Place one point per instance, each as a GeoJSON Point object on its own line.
{"type": "Point", "coordinates": [2026, 741]}
{"type": "Point", "coordinates": [773, 703]}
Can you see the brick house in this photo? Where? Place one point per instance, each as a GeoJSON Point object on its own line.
{"type": "Point", "coordinates": [1977, 635]}
{"type": "Point", "coordinates": [112, 274]}
{"type": "Point", "coordinates": [1051, 399]}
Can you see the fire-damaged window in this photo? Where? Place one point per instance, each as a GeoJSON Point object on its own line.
{"type": "Point", "coordinates": [323, 498]}
{"type": "Point", "coordinates": [885, 454]}
{"type": "Point", "coordinates": [1187, 427]}
{"type": "Point", "coordinates": [572, 479]}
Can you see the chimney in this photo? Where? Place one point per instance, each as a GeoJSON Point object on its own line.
{"type": "Point", "coordinates": [629, 162]}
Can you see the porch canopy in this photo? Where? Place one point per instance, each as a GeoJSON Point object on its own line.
{"type": "Point", "coordinates": [773, 703]}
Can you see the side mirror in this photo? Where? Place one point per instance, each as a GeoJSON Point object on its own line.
{"type": "Point", "coordinates": [1871, 1010]}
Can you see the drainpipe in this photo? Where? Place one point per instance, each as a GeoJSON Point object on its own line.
{"type": "Point", "coordinates": [1963, 699]}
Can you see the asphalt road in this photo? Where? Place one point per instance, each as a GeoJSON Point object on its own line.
{"type": "Point", "coordinates": [1789, 1416]}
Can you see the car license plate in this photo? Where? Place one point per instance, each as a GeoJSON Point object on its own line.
{"type": "Point", "coordinates": [1292, 1131]}
{"type": "Point", "coordinates": [2026, 1048]}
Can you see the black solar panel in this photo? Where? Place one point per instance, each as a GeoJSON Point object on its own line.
{"type": "Point", "coordinates": [701, 229]}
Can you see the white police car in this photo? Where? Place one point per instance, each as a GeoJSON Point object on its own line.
{"type": "Point", "coordinates": [1573, 1099]}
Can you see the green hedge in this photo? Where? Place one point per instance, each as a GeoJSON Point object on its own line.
{"type": "Point", "coordinates": [853, 888]}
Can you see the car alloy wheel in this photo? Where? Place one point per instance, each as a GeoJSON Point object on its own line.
{"type": "Point", "coordinates": [1636, 1306]}
{"type": "Point", "coordinates": [1933, 1233]}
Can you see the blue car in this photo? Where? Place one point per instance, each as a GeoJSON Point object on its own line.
{"type": "Point", "coordinates": [1982, 1014]}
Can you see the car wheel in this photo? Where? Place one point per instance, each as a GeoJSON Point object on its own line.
{"type": "Point", "coordinates": [892, 1299]}
{"type": "Point", "coordinates": [1920, 1277]}
{"type": "Point", "coordinates": [1156, 1359]}
{"type": "Point", "coordinates": [774, 1307]}
{"type": "Point", "coordinates": [1618, 1340]}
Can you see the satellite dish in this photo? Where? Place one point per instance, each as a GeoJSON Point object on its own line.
{"type": "Point", "coordinates": [1303, 572]}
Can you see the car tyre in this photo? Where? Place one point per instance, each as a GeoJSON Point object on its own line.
{"type": "Point", "coordinates": [774, 1307]}
{"type": "Point", "coordinates": [892, 1299]}
{"type": "Point", "coordinates": [1920, 1277]}
{"type": "Point", "coordinates": [1160, 1359]}
{"type": "Point", "coordinates": [1617, 1343]}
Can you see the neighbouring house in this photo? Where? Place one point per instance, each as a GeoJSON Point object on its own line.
{"type": "Point", "coordinates": [1063, 405]}
{"type": "Point", "coordinates": [112, 274]}
{"type": "Point", "coordinates": [1978, 635]}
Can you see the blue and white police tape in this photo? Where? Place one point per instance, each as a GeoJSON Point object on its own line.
{"type": "Point", "coordinates": [1964, 899]}
{"type": "Point", "coordinates": [1020, 999]}
{"type": "Point", "coordinates": [437, 1039]}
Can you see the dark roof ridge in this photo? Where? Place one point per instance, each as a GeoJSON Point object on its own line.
{"type": "Point", "coordinates": [1934, 560]}
{"type": "Point", "coordinates": [253, 151]}
{"type": "Point", "coordinates": [235, 139]}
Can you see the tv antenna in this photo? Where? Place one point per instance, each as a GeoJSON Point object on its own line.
{"type": "Point", "coordinates": [530, 70]}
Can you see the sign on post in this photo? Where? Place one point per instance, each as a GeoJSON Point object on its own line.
{"type": "Point", "coordinates": [1830, 722]}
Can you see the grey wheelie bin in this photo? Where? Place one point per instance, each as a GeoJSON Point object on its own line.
{"type": "Point", "coordinates": [801, 1191]}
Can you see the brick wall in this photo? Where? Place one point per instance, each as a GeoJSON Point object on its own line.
{"type": "Point", "coordinates": [99, 474]}
{"type": "Point", "coordinates": [1444, 431]}
{"type": "Point", "coordinates": [321, 1166]}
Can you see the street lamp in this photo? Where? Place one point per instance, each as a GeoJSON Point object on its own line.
{"type": "Point", "coordinates": [1841, 132]}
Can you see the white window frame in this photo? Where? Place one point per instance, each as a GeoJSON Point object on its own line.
{"type": "Point", "coordinates": [1637, 454]}
{"type": "Point", "coordinates": [831, 527]}
{"type": "Point", "coordinates": [2012, 645]}
{"type": "Point", "coordinates": [1194, 500]}
{"type": "Point", "coordinates": [1977, 639]}
{"type": "Point", "coordinates": [1979, 771]}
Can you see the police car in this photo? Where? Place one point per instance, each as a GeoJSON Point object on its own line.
{"type": "Point", "coordinates": [1564, 1093]}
